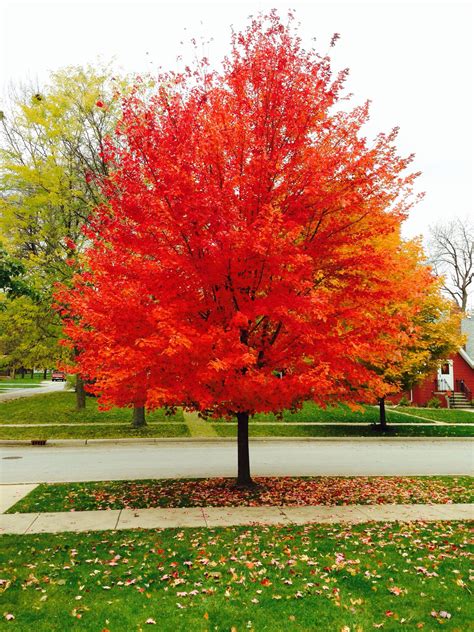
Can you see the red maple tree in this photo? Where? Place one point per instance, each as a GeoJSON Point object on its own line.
{"type": "Point", "coordinates": [249, 251]}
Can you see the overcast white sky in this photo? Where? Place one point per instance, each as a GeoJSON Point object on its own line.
{"type": "Point", "coordinates": [414, 60]}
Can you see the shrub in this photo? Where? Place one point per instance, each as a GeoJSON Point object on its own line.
{"type": "Point", "coordinates": [404, 401]}
{"type": "Point", "coordinates": [433, 403]}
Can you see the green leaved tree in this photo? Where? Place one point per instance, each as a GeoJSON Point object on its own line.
{"type": "Point", "coordinates": [51, 142]}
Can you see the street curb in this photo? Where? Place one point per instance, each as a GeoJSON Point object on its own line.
{"type": "Point", "coordinates": [217, 440]}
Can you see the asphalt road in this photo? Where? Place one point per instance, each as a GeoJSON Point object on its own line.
{"type": "Point", "coordinates": [28, 464]}
{"type": "Point", "coordinates": [45, 387]}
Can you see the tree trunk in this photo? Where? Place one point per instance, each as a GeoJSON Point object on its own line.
{"type": "Point", "coordinates": [45, 373]}
{"type": "Point", "coordinates": [243, 458]}
{"type": "Point", "coordinates": [80, 393]}
{"type": "Point", "coordinates": [383, 416]}
{"type": "Point", "coordinates": [22, 372]}
{"type": "Point", "coordinates": [32, 374]}
{"type": "Point", "coordinates": [13, 373]}
{"type": "Point", "coordinates": [138, 418]}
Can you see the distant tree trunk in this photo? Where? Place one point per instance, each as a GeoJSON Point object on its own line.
{"type": "Point", "coordinates": [138, 417]}
{"type": "Point", "coordinates": [383, 416]}
{"type": "Point", "coordinates": [80, 393]}
{"type": "Point", "coordinates": [13, 373]}
{"type": "Point", "coordinates": [243, 458]}
{"type": "Point", "coordinates": [32, 374]}
{"type": "Point", "coordinates": [22, 372]}
{"type": "Point", "coordinates": [45, 373]}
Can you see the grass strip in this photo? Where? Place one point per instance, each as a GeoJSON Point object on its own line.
{"type": "Point", "coordinates": [399, 430]}
{"type": "Point", "coordinates": [171, 430]}
{"type": "Point", "coordinates": [80, 431]}
{"type": "Point", "coordinates": [221, 492]}
{"type": "Point", "coordinates": [60, 407]}
{"type": "Point", "coordinates": [115, 431]}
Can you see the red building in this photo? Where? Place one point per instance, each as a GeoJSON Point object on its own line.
{"type": "Point", "coordinates": [453, 384]}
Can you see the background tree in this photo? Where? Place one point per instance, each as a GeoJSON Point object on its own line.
{"type": "Point", "coordinates": [451, 250]}
{"type": "Point", "coordinates": [29, 332]}
{"type": "Point", "coordinates": [50, 163]}
{"type": "Point", "coordinates": [433, 335]}
{"type": "Point", "coordinates": [250, 230]}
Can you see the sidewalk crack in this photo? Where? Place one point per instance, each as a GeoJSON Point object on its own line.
{"type": "Point", "coordinates": [118, 518]}
{"type": "Point", "coordinates": [31, 524]}
{"type": "Point", "coordinates": [283, 513]}
{"type": "Point", "coordinates": [204, 516]}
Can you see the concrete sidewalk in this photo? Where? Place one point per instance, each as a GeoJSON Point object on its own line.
{"type": "Point", "coordinates": [80, 521]}
{"type": "Point", "coordinates": [11, 494]}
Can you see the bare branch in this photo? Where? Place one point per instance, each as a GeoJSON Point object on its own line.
{"type": "Point", "coordinates": [451, 252]}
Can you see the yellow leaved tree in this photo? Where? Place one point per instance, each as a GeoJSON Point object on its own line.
{"type": "Point", "coordinates": [434, 335]}
{"type": "Point", "coordinates": [51, 138]}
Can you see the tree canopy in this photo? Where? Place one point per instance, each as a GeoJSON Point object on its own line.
{"type": "Point", "coordinates": [249, 249]}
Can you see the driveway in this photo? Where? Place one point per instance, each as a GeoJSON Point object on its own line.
{"type": "Point", "coordinates": [29, 464]}
{"type": "Point", "coordinates": [45, 387]}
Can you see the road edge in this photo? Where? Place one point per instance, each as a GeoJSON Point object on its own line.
{"type": "Point", "coordinates": [217, 440]}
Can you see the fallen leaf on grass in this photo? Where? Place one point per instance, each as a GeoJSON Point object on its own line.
{"type": "Point", "coordinates": [395, 590]}
{"type": "Point", "coordinates": [271, 491]}
{"type": "Point", "coordinates": [445, 615]}
{"type": "Point", "coordinates": [4, 584]}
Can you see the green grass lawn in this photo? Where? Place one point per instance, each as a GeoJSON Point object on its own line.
{"type": "Point", "coordinates": [370, 414]}
{"type": "Point", "coordinates": [311, 413]}
{"type": "Point", "coordinates": [313, 577]}
{"type": "Point", "coordinates": [60, 408]}
{"type": "Point", "coordinates": [221, 492]}
{"type": "Point", "coordinates": [433, 414]}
